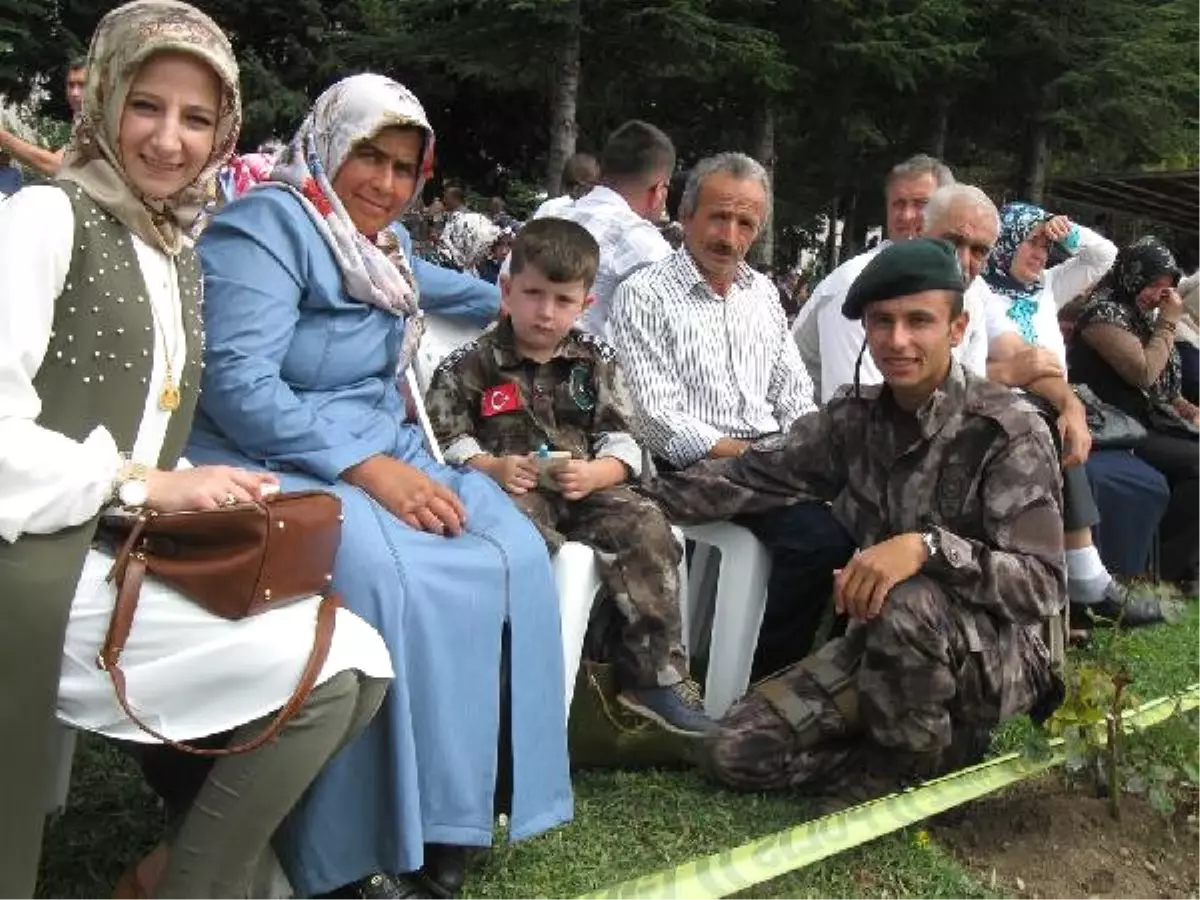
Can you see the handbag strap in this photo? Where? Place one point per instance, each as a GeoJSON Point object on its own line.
{"type": "Point", "coordinates": [119, 625]}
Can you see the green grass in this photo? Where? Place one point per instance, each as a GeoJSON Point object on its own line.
{"type": "Point", "coordinates": [627, 824]}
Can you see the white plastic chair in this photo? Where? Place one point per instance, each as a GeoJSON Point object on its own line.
{"type": "Point", "coordinates": [729, 616]}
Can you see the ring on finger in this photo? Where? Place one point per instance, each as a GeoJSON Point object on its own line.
{"type": "Point", "coordinates": [229, 500]}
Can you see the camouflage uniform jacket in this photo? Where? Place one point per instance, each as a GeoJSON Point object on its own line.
{"type": "Point", "coordinates": [486, 398]}
{"type": "Point", "coordinates": [975, 463]}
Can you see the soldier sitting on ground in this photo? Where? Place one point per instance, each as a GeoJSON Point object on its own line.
{"type": "Point", "coordinates": [537, 383]}
{"type": "Point", "coordinates": [951, 487]}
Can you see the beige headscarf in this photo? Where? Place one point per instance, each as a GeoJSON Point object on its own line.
{"type": "Point", "coordinates": [124, 39]}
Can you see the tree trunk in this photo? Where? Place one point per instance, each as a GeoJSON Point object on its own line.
{"type": "Point", "coordinates": [939, 125]}
{"type": "Point", "coordinates": [850, 244]}
{"type": "Point", "coordinates": [1033, 168]}
{"type": "Point", "coordinates": [563, 97]}
{"type": "Point", "coordinates": [1035, 157]}
{"type": "Point", "coordinates": [831, 238]}
{"type": "Point", "coordinates": [764, 152]}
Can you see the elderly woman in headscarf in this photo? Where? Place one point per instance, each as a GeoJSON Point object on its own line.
{"type": "Point", "coordinates": [467, 240]}
{"type": "Point", "coordinates": [311, 311]}
{"type": "Point", "coordinates": [1123, 348]}
{"type": "Point", "coordinates": [1026, 350]}
{"type": "Point", "coordinates": [100, 358]}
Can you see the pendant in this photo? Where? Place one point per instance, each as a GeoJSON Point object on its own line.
{"type": "Point", "coordinates": [168, 398]}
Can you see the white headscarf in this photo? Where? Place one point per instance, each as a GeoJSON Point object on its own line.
{"type": "Point", "coordinates": [374, 268]}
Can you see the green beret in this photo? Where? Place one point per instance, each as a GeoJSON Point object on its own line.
{"type": "Point", "coordinates": [908, 267]}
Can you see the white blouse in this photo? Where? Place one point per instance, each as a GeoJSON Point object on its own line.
{"type": "Point", "coordinates": [47, 480]}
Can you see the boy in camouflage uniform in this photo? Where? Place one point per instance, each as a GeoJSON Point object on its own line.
{"type": "Point", "coordinates": [535, 382]}
{"type": "Point", "coordinates": [951, 487]}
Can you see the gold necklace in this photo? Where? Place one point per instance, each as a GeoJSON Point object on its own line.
{"type": "Point", "coordinates": [168, 397]}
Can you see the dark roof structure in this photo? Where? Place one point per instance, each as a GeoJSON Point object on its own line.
{"type": "Point", "coordinates": [1170, 198]}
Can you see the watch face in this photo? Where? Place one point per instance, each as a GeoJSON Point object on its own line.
{"type": "Point", "coordinates": [132, 493]}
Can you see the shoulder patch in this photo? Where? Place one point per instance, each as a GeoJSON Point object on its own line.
{"type": "Point", "coordinates": [456, 356]}
{"type": "Point", "coordinates": [603, 349]}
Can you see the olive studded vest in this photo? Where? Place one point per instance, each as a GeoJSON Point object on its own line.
{"type": "Point", "coordinates": [98, 363]}
{"type": "Point", "coordinates": [96, 371]}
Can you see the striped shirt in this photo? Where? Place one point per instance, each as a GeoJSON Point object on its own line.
{"type": "Point", "coordinates": [701, 367]}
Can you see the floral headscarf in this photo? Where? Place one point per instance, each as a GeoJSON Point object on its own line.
{"type": "Point", "coordinates": [467, 239]}
{"type": "Point", "coordinates": [1115, 303]}
{"type": "Point", "coordinates": [1017, 222]}
{"type": "Point", "coordinates": [122, 42]}
{"type": "Point", "coordinates": [243, 172]}
{"type": "Point", "coordinates": [374, 269]}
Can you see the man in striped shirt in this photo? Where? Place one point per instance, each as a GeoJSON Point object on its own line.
{"type": "Point", "coordinates": [712, 367]}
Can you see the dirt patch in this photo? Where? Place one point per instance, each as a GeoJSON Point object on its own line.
{"type": "Point", "coordinates": [1043, 839]}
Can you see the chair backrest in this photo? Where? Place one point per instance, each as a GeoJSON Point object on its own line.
{"type": "Point", "coordinates": [443, 335]}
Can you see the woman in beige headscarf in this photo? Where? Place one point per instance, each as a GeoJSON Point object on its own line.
{"type": "Point", "coordinates": [100, 346]}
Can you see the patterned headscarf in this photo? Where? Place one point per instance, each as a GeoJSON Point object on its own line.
{"type": "Point", "coordinates": [1017, 222]}
{"type": "Point", "coordinates": [1114, 302]}
{"type": "Point", "coordinates": [467, 239]}
{"type": "Point", "coordinates": [374, 269]}
{"type": "Point", "coordinates": [122, 42]}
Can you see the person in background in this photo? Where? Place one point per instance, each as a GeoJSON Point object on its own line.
{"type": "Point", "coordinates": [467, 241]}
{"type": "Point", "coordinates": [42, 160]}
{"type": "Point", "coordinates": [830, 344]}
{"type": "Point", "coordinates": [1187, 341]}
{"type": "Point", "coordinates": [622, 211]}
{"type": "Point", "coordinates": [1024, 344]}
{"type": "Point", "coordinates": [579, 175]}
{"type": "Point", "coordinates": [1123, 348]}
{"type": "Point", "coordinates": [10, 177]}
{"type": "Point", "coordinates": [311, 308]}
{"type": "Point", "coordinates": [489, 269]}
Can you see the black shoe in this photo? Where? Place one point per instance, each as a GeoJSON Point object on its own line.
{"type": "Point", "coordinates": [381, 886]}
{"type": "Point", "coordinates": [445, 869]}
{"type": "Point", "coordinates": [677, 708]}
{"type": "Point", "coordinates": [1132, 606]}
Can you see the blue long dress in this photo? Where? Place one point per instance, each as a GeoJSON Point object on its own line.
{"type": "Point", "coordinates": [299, 380]}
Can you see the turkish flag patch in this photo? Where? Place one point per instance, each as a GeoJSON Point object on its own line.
{"type": "Point", "coordinates": [501, 399]}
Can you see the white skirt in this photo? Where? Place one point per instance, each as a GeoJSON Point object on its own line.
{"type": "Point", "coordinates": [189, 673]}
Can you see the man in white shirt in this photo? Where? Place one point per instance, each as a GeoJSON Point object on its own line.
{"type": "Point", "coordinates": [831, 344]}
{"type": "Point", "coordinates": [579, 175]}
{"type": "Point", "coordinates": [712, 367]}
{"type": "Point", "coordinates": [621, 211]}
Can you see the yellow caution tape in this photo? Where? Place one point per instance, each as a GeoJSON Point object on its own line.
{"type": "Point", "coordinates": [776, 854]}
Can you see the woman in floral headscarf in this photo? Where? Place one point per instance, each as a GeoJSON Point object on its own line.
{"type": "Point", "coordinates": [312, 310]}
{"type": "Point", "coordinates": [467, 240]}
{"type": "Point", "coordinates": [1123, 347]}
{"type": "Point", "coordinates": [100, 357]}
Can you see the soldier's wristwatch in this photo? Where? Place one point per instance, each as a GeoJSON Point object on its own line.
{"type": "Point", "coordinates": [932, 541]}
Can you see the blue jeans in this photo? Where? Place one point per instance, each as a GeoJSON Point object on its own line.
{"type": "Point", "coordinates": [806, 544]}
{"type": "Point", "coordinates": [1132, 496]}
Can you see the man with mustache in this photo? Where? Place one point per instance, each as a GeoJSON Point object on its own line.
{"type": "Point", "coordinates": [712, 367]}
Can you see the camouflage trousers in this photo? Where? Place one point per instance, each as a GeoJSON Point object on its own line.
{"type": "Point", "coordinates": [911, 694]}
{"type": "Point", "coordinates": [639, 566]}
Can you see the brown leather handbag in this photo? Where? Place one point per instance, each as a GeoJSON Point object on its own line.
{"type": "Point", "coordinates": [235, 561]}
